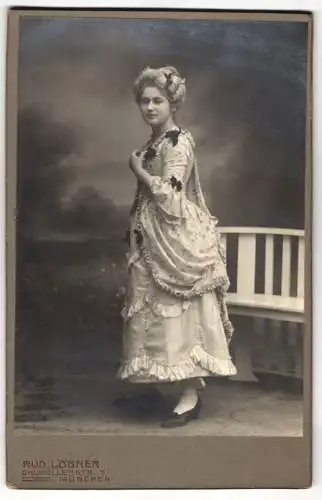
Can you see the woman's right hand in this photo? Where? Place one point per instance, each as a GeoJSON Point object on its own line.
{"type": "Point", "coordinates": [136, 165]}
{"type": "Point", "coordinates": [135, 161]}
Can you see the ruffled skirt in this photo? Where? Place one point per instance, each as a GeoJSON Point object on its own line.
{"type": "Point", "coordinates": [166, 339]}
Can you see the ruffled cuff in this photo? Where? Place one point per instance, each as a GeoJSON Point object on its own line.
{"type": "Point", "coordinates": [169, 197]}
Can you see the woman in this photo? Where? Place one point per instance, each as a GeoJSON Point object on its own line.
{"type": "Point", "coordinates": [176, 327]}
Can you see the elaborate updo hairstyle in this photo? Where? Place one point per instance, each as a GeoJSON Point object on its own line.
{"type": "Point", "coordinates": [167, 79]}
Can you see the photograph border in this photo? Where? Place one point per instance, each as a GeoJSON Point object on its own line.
{"type": "Point", "coordinates": [209, 461]}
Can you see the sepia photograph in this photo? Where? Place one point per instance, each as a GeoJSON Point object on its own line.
{"type": "Point", "coordinates": [160, 225]}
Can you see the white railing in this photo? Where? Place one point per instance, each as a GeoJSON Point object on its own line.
{"type": "Point", "coordinates": [286, 302]}
{"type": "Point", "coordinates": [261, 345]}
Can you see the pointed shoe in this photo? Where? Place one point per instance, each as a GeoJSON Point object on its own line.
{"type": "Point", "coordinates": [179, 420]}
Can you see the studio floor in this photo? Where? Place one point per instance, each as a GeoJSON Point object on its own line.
{"type": "Point", "coordinates": [81, 404]}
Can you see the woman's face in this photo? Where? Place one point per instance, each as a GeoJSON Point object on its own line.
{"type": "Point", "coordinates": [155, 107]}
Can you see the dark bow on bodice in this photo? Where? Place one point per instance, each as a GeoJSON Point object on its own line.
{"type": "Point", "coordinates": [173, 135]}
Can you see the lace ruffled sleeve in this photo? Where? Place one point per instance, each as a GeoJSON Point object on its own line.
{"type": "Point", "coordinates": [169, 189]}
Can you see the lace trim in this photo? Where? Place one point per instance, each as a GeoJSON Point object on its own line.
{"type": "Point", "coordinates": [146, 366]}
{"type": "Point", "coordinates": [167, 311]}
{"type": "Point", "coordinates": [221, 282]}
{"type": "Point", "coordinates": [221, 248]}
{"type": "Point", "coordinates": [159, 309]}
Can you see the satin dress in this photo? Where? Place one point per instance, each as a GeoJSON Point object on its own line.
{"type": "Point", "coordinates": [176, 324]}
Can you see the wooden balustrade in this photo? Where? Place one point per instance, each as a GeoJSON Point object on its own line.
{"type": "Point", "coordinates": [278, 272]}
{"type": "Point", "coordinates": [266, 267]}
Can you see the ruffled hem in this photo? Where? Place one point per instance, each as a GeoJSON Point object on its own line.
{"type": "Point", "coordinates": [149, 368]}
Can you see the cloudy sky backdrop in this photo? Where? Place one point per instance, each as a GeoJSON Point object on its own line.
{"type": "Point", "coordinates": [246, 100]}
